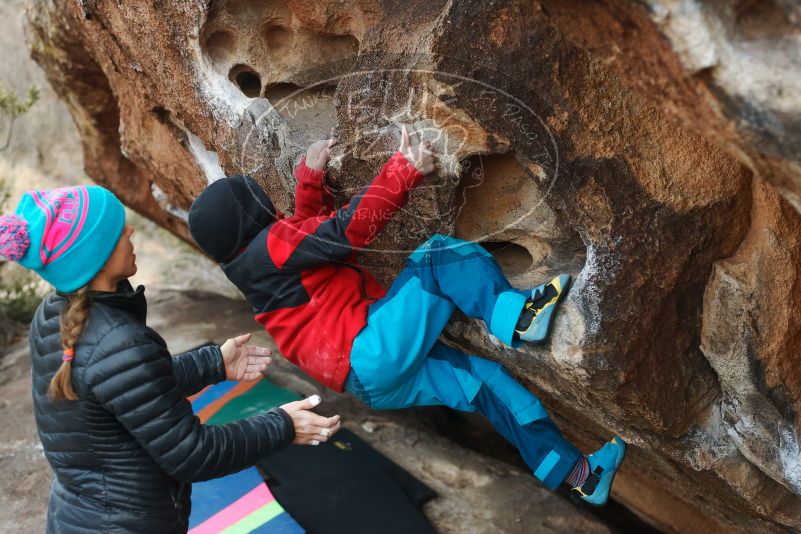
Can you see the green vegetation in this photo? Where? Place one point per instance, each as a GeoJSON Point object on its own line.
{"type": "Point", "coordinates": [20, 294]}
{"type": "Point", "coordinates": [20, 290]}
{"type": "Point", "coordinates": [12, 107]}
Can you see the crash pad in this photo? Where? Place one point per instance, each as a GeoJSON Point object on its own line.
{"type": "Point", "coordinates": [343, 485]}
{"type": "Point", "coordinates": [240, 502]}
{"type": "Point", "coordinates": [348, 484]}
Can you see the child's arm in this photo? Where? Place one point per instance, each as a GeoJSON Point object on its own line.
{"type": "Point", "coordinates": [301, 244]}
{"type": "Point", "coordinates": [312, 197]}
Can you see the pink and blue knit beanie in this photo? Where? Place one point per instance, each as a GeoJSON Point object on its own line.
{"type": "Point", "coordinates": [66, 235]}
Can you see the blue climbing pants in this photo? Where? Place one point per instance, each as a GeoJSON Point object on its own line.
{"type": "Point", "coordinates": [397, 360]}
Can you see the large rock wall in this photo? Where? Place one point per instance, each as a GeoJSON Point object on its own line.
{"type": "Point", "coordinates": [573, 137]}
{"type": "Point", "coordinates": [725, 69]}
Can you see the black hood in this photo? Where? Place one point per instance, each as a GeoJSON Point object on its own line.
{"type": "Point", "coordinates": [228, 214]}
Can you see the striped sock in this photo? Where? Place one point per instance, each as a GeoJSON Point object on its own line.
{"type": "Point", "coordinates": [579, 473]}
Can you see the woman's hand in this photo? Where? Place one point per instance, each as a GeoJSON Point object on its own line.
{"type": "Point", "coordinates": [318, 153]}
{"type": "Point", "coordinates": [244, 362]}
{"type": "Point", "coordinates": [310, 428]}
{"type": "Point", "coordinates": [419, 155]}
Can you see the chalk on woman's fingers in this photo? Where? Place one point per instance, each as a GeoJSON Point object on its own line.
{"type": "Point", "coordinates": [315, 400]}
{"type": "Point", "coordinates": [314, 442]}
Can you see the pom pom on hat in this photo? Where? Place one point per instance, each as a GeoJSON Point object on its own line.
{"type": "Point", "coordinates": [14, 237]}
{"type": "Point", "coordinates": [65, 235]}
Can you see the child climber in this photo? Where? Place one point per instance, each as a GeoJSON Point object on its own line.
{"type": "Point", "coordinates": [329, 316]}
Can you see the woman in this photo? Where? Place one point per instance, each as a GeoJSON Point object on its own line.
{"type": "Point", "coordinates": [109, 400]}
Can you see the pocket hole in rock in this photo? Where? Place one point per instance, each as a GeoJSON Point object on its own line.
{"type": "Point", "coordinates": [513, 258]}
{"type": "Point", "coordinates": [220, 46]}
{"type": "Point", "coordinates": [248, 80]}
{"type": "Point", "coordinates": [162, 115]}
{"type": "Point", "coordinates": [494, 191]}
{"type": "Point", "coordinates": [279, 91]}
{"type": "Point", "coordinates": [342, 46]}
{"type": "Point", "coordinates": [499, 204]}
{"type": "Point", "coordinates": [277, 37]}
{"type": "Point", "coordinates": [246, 8]}
{"type": "Point", "coordinates": [310, 109]}
{"type": "Point", "coordinates": [765, 20]}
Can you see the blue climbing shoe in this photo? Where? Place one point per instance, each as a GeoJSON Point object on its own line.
{"type": "Point", "coordinates": [604, 464]}
{"type": "Point", "coordinates": [536, 317]}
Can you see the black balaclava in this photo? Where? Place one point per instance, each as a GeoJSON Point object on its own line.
{"type": "Point", "coordinates": [228, 214]}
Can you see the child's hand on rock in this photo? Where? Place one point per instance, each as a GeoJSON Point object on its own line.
{"type": "Point", "coordinates": [318, 153]}
{"type": "Point", "coordinates": [310, 428]}
{"type": "Point", "coordinates": [244, 362]}
{"type": "Point", "coordinates": [419, 155]}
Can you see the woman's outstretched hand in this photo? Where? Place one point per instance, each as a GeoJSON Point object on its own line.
{"type": "Point", "coordinates": [310, 428]}
{"type": "Point", "coordinates": [419, 155]}
{"type": "Point", "coordinates": [318, 153]}
{"type": "Point", "coordinates": [244, 362]}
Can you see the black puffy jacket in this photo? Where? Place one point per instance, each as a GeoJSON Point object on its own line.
{"type": "Point", "coordinates": [125, 453]}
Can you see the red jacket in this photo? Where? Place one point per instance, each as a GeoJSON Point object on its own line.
{"type": "Point", "coordinates": [301, 276]}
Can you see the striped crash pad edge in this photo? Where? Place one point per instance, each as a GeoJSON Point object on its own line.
{"type": "Point", "coordinates": [240, 502]}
